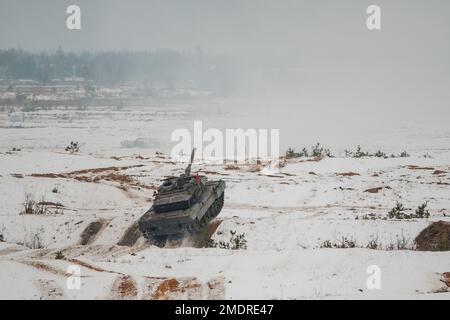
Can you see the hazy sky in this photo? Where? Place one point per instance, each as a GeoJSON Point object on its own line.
{"type": "Point", "coordinates": [325, 52]}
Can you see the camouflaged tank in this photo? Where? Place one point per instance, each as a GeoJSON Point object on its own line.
{"type": "Point", "coordinates": [184, 204]}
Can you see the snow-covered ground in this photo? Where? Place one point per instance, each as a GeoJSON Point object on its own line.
{"type": "Point", "coordinates": [288, 219]}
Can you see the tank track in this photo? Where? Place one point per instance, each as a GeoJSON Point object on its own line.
{"type": "Point", "coordinates": [213, 211]}
{"type": "Point", "coordinates": [198, 225]}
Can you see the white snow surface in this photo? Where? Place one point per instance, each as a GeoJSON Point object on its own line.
{"type": "Point", "coordinates": [286, 218]}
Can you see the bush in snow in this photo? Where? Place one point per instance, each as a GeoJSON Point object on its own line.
{"type": "Point", "coordinates": [59, 255]}
{"type": "Point", "coordinates": [380, 154]}
{"type": "Point", "coordinates": [422, 212]}
{"type": "Point", "coordinates": [399, 212]}
{"type": "Point", "coordinates": [404, 154]}
{"type": "Point", "coordinates": [236, 242]}
{"type": "Point", "coordinates": [29, 204]}
{"type": "Point", "coordinates": [73, 147]}
{"type": "Point", "coordinates": [317, 151]}
{"type": "Point", "coordinates": [344, 244]}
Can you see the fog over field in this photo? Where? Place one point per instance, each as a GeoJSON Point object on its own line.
{"type": "Point", "coordinates": [311, 59]}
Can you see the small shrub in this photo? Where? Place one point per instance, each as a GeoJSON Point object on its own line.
{"type": "Point", "coordinates": [290, 153]}
{"type": "Point", "coordinates": [326, 244]}
{"type": "Point", "coordinates": [422, 212]}
{"type": "Point", "coordinates": [402, 243]}
{"type": "Point", "coordinates": [373, 245]}
{"type": "Point", "coordinates": [344, 244]}
{"type": "Point", "coordinates": [236, 242]}
{"type": "Point", "coordinates": [404, 154]}
{"type": "Point", "coordinates": [398, 212]}
{"type": "Point", "coordinates": [380, 154]}
{"type": "Point", "coordinates": [359, 153]}
{"type": "Point", "coordinates": [55, 190]}
{"type": "Point", "coordinates": [29, 204]}
{"type": "Point", "coordinates": [73, 147]}
{"type": "Point", "coordinates": [59, 255]}
{"type": "Point", "coordinates": [317, 150]}
{"type": "Point", "coordinates": [348, 153]}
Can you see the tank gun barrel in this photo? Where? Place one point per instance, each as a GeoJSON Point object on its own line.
{"type": "Point", "coordinates": [187, 172]}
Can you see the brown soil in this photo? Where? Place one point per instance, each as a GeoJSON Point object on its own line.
{"type": "Point", "coordinates": [374, 190]}
{"type": "Point", "coordinates": [131, 235]}
{"type": "Point", "coordinates": [439, 172]}
{"type": "Point", "coordinates": [90, 233]}
{"type": "Point", "coordinates": [45, 267]}
{"type": "Point", "coordinates": [164, 288]}
{"type": "Point", "coordinates": [125, 288]}
{"type": "Point", "coordinates": [347, 174]}
{"type": "Point", "coordinates": [184, 288]}
{"type": "Point", "coordinates": [435, 237]}
{"type": "Point", "coordinates": [413, 167]}
{"type": "Point", "coordinates": [96, 175]}
{"type": "Point", "coordinates": [231, 167]}
{"type": "Point", "coordinates": [446, 278]}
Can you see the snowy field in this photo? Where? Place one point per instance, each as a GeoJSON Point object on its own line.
{"type": "Point", "coordinates": [290, 220]}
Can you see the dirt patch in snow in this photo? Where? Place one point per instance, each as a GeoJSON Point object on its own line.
{"type": "Point", "coordinates": [435, 237]}
{"type": "Point", "coordinates": [374, 190]}
{"type": "Point", "coordinates": [347, 174]}
{"type": "Point", "coordinates": [97, 175]}
{"type": "Point", "coordinates": [413, 167]}
{"type": "Point", "coordinates": [231, 166]}
{"type": "Point", "coordinates": [165, 288]}
{"type": "Point", "coordinates": [46, 268]}
{"type": "Point", "coordinates": [124, 288]}
{"type": "Point", "coordinates": [184, 288]}
{"type": "Point", "coordinates": [91, 232]}
{"type": "Point", "coordinates": [446, 278]}
{"type": "Point", "coordinates": [131, 236]}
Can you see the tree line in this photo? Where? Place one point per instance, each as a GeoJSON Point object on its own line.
{"type": "Point", "coordinates": [162, 67]}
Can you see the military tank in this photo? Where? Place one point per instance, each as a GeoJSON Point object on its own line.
{"type": "Point", "coordinates": [183, 205]}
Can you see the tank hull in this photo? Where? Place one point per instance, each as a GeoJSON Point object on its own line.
{"type": "Point", "coordinates": [154, 225]}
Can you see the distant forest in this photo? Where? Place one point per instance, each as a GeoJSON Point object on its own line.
{"type": "Point", "coordinates": [166, 68]}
